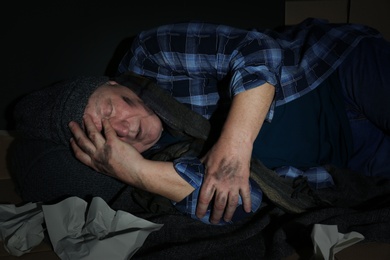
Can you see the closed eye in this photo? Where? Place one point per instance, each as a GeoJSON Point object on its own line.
{"type": "Point", "coordinates": [129, 101]}
{"type": "Point", "coordinates": [134, 103]}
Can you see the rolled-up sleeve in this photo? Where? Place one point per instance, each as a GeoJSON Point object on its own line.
{"type": "Point", "coordinates": [197, 56]}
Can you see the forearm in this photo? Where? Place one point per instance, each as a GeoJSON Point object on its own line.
{"type": "Point", "coordinates": [247, 114]}
{"type": "Point", "coordinates": [161, 178]}
{"type": "Point", "coordinates": [228, 161]}
{"type": "Point", "coordinates": [113, 157]}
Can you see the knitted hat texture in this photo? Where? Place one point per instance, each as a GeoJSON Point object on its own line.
{"type": "Point", "coordinates": [47, 112]}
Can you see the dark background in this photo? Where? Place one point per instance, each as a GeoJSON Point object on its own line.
{"type": "Point", "coordinates": [45, 43]}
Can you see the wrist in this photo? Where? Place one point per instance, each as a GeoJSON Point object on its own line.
{"type": "Point", "coordinates": [160, 177]}
{"type": "Point", "coordinates": [236, 136]}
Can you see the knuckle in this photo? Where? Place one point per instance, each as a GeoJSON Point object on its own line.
{"type": "Point", "coordinates": [203, 200]}
{"type": "Point", "coordinates": [78, 154]}
{"type": "Point", "coordinates": [233, 204]}
{"type": "Point", "coordinates": [233, 200]}
{"type": "Point", "coordinates": [219, 207]}
{"type": "Point", "coordinates": [93, 135]}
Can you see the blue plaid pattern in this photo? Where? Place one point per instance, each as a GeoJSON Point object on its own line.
{"type": "Point", "coordinates": [317, 177]}
{"type": "Point", "coordinates": [192, 170]}
{"type": "Point", "coordinates": [189, 60]}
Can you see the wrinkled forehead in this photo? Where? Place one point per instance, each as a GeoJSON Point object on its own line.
{"type": "Point", "coordinates": [115, 90]}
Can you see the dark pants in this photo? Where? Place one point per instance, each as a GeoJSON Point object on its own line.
{"type": "Point", "coordinates": [365, 80]}
{"type": "Point", "coordinates": [310, 131]}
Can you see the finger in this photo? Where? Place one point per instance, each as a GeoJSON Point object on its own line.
{"type": "Point", "coordinates": [219, 207]}
{"type": "Point", "coordinates": [75, 128]}
{"type": "Point", "coordinates": [81, 139]}
{"type": "Point", "coordinates": [79, 153]}
{"type": "Point", "coordinates": [109, 131]}
{"type": "Point", "coordinates": [92, 132]}
{"type": "Point", "coordinates": [205, 196]}
{"type": "Point", "coordinates": [231, 207]}
{"type": "Point", "coordinates": [246, 199]}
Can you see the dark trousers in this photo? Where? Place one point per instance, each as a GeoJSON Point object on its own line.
{"type": "Point", "coordinates": [365, 80]}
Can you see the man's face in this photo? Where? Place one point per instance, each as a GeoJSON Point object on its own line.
{"type": "Point", "coordinates": [133, 121]}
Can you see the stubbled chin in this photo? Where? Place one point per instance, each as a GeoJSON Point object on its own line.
{"type": "Point", "coordinates": [143, 147]}
{"type": "Point", "coordinates": [149, 145]}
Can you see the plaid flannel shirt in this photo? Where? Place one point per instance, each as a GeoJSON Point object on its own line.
{"type": "Point", "coordinates": [189, 60]}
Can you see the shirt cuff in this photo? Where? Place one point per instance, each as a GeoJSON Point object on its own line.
{"type": "Point", "coordinates": [192, 171]}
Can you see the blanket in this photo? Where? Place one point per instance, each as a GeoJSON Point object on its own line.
{"type": "Point", "coordinates": [283, 224]}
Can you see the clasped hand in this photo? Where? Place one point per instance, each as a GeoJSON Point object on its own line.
{"type": "Point", "coordinates": [105, 153]}
{"type": "Point", "coordinates": [227, 167]}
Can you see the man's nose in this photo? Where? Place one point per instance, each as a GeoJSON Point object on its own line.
{"type": "Point", "coordinates": [123, 128]}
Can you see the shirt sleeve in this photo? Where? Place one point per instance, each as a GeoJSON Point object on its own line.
{"type": "Point", "coordinates": [192, 171]}
{"type": "Point", "coordinates": [178, 52]}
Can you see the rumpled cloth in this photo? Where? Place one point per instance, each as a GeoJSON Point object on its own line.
{"type": "Point", "coordinates": [328, 241]}
{"type": "Point", "coordinates": [77, 230]}
{"type": "Point", "coordinates": [21, 227]}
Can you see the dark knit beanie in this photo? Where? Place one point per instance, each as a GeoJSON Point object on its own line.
{"type": "Point", "coordinates": [47, 112]}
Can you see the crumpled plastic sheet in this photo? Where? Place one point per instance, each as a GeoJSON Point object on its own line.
{"type": "Point", "coordinates": [76, 230]}
{"type": "Point", "coordinates": [21, 227]}
{"type": "Point", "coordinates": [328, 241]}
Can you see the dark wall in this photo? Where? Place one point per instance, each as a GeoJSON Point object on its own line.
{"type": "Point", "coordinates": [46, 43]}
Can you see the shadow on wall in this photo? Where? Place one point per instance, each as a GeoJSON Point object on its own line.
{"type": "Point", "coordinates": [119, 52]}
{"type": "Point", "coordinates": [110, 70]}
{"type": "Point", "coordinates": [62, 39]}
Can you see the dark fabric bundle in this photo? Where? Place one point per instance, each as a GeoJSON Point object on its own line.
{"type": "Point", "coordinates": [289, 210]}
{"type": "Point", "coordinates": [45, 114]}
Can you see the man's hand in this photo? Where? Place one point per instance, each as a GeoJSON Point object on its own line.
{"type": "Point", "coordinates": [228, 162]}
{"type": "Point", "coordinates": [105, 153]}
{"type": "Point", "coordinates": [226, 178]}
